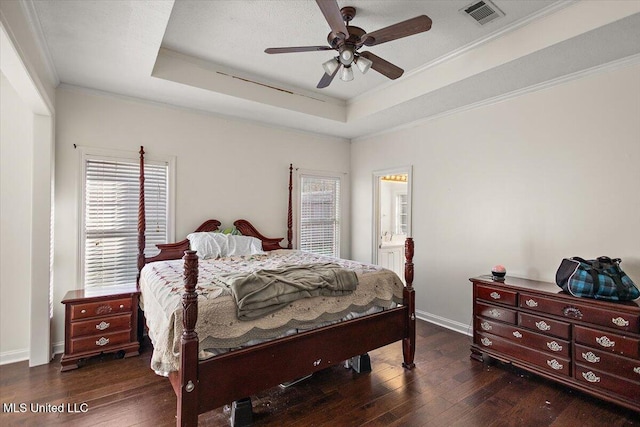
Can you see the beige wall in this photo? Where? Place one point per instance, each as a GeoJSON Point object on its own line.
{"type": "Point", "coordinates": [523, 182]}
{"type": "Point", "coordinates": [226, 169]}
{"type": "Point", "coordinates": [27, 168]}
{"type": "Point", "coordinates": [16, 153]}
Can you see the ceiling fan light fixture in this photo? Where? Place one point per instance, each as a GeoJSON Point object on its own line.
{"type": "Point", "coordinates": [363, 64]}
{"type": "Point", "coordinates": [347, 74]}
{"type": "Point", "coordinates": [346, 56]}
{"type": "Point", "coordinates": [331, 66]}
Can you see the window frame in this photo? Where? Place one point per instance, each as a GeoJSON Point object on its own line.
{"type": "Point", "coordinates": [299, 175]}
{"type": "Point", "coordinates": [92, 153]}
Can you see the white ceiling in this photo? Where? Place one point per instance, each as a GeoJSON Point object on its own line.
{"type": "Point", "coordinates": [209, 55]}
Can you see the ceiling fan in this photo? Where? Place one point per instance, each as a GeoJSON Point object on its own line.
{"type": "Point", "coordinates": [347, 39]}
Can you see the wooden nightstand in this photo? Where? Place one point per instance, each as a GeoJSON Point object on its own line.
{"type": "Point", "coordinates": [100, 321]}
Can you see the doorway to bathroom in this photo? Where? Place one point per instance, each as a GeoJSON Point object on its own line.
{"type": "Point", "coordinates": [392, 217]}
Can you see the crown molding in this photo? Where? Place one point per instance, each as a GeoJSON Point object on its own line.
{"type": "Point", "coordinates": [599, 69]}
{"type": "Point", "coordinates": [29, 10]}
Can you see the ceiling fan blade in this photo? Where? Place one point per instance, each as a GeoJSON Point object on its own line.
{"type": "Point", "coordinates": [332, 14]}
{"type": "Point", "coordinates": [382, 66]}
{"type": "Point", "coordinates": [412, 26]}
{"type": "Point", "coordinates": [296, 49]}
{"type": "Point", "coordinates": [327, 79]}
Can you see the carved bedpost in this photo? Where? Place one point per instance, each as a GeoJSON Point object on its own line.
{"type": "Point", "coordinates": [290, 211]}
{"type": "Point", "coordinates": [409, 343]}
{"type": "Point", "coordinates": [189, 384]}
{"type": "Point", "coordinates": [141, 218]}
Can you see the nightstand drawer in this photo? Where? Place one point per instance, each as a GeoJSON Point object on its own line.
{"type": "Point", "coordinates": [101, 326]}
{"type": "Point", "coordinates": [104, 308]}
{"type": "Point", "coordinates": [99, 342]}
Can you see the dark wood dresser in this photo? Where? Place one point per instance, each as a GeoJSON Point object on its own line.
{"type": "Point", "coordinates": [100, 321]}
{"type": "Point", "coordinates": [587, 344]}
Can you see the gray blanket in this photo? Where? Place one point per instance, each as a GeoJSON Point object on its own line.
{"type": "Point", "coordinates": [265, 291]}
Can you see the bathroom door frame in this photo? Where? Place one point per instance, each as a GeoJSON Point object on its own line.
{"type": "Point", "coordinates": [376, 232]}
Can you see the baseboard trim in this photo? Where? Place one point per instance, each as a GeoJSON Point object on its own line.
{"type": "Point", "coordinates": [58, 347]}
{"type": "Point", "coordinates": [14, 356]}
{"type": "Point", "coordinates": [445, 323]}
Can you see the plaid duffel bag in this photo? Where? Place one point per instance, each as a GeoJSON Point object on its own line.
{"type": "Point", "coordinates": [600, 278]}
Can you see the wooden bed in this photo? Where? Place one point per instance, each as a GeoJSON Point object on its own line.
{"type": "Point", "coordinates": [203, 385]}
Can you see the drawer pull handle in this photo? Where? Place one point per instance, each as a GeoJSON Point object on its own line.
{"type": "Point", "coordinates": [637, 370]}
{"type": "Point", "coordinates": [494, 313]}
{"type": "Point", "coordinates": [591, 377]}
{"type": "Point", "coordinates": [486, 342]}
{"type": "Point", "coordinates": [554, 364]}
{"type": "Point", "coordinates": [531, 303]}
{"type": "Point", "coordinates": [572, 312]}
{"type": "Point", "coordinates": [543, 326]}
{"type": "Point", "coordinates": [121, 306]}
{"type": "Point", "coordinates": [517, 334]}
{"type": "Point", "coordinates": [495, 295]}
{"type": "Point", "coordinates": [619, 321]}
{"type": "Point", "coordinates": [554, 346]}
{"type": "Point", "coordinates": [102, 325]}
{"type": "Point", "coordinates": [83, 311]}
{"type": "Point", "coordinates": [486, 326]}
{"type": "Point", "coordinates": [104, 309]}
{"type": "Point", "coordinates": [590, 357]}
{"type": "Point", "coordinates": [605, 341]}
{"type": "Point", "coordinates": [102, 341]}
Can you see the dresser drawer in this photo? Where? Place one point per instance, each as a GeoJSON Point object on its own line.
{"type": "Point", "coordinates": [545, 325]}
{"type": "Point", "coordinates": [101, 325]}
{"type": "Point", "coordinates": [490, 293]}
{"type": "Point", "coordinates": [495, 312]}
{"type": "Point", "coordinates": [607, 362]}
{"type": "Point", "coordinates": [604, 381]}
{"type": "Point", "coordinates": [607, 341]}
{"type": "Point", "coordinates": [83, 311]}
{"type": "Point", "coordinates": [583, 312]}
{"type": "Point", "coordinates": [548, 362]}
{"type": "Point", "coordinates": [524, 337]}
{"type": "Point", "coordinates": [99, 342]}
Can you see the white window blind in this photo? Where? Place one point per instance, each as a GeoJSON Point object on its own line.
{"type": "Point", "coordinates": [320, 215]}
{"type": "Point", "coordinates": [111, 218]}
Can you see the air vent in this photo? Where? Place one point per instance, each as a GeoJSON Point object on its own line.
{"type": "Point", "coordinates": [482, 11]}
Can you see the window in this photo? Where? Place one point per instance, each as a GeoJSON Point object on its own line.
{"type": "Point", "coordinates": [319, 214]}
{"type": "Point", "coordinates": [110, 216]}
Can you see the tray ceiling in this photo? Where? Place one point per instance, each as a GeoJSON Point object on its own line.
{"type": "Point", "coordinates": [209, 55]}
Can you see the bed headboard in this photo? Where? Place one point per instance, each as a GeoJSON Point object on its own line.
{"type": "Point", "coordinates": [176, 250]}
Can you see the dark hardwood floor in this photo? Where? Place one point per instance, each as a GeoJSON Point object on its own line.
{"type": "Point", "coordinates": [446, 388]}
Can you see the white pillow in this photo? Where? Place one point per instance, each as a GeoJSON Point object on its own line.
{"type": "Point", "coordinates": [215, 245]}
{"type": "Point", "coordinates": [243, 245]}
{"type": "Point", "coordinates": [206, 244]}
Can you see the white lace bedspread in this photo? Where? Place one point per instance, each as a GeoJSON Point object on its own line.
{"type": "Point", "coordinates": [218, 327]}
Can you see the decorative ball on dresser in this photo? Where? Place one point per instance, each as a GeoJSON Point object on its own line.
{"type": "Point", "coordinates": [498, 272]}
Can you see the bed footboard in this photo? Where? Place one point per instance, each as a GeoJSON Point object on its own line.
{"type": "Point", "coordinates": [187, 384]}
{"type": "Point", "coordinates": [409, 342]}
